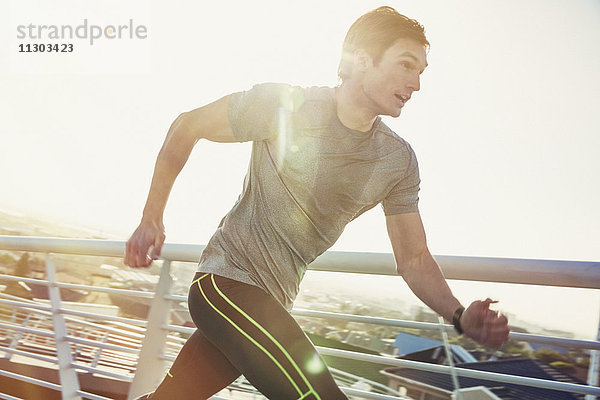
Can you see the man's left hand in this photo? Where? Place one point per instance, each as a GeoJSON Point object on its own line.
{"type": "Point", "coordinates": [484, 325]}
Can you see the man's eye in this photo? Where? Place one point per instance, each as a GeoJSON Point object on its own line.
{"type": "Point", "coordinates": [406, 65]}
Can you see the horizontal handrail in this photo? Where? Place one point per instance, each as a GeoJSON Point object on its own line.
{"type": "Point", "coordinates": [122, 332]}
{"type": "Point", "coordinates": [134, 336]}
{"type": "Point", "coordinates": [8, 397]}
{"type": "Point", "coordinates": [104, 248]}
{"type": "Point", "coordinates": [178, 328]}
{"type": "Point", "coordinates": [369, 395]}
{"type": "Point", "coordinates": [28, 379]}
{"type": "Point", "coordinates": [91, 396]}
{"type": "Point", "coordinates": [16, 278]}
{"type": "Point", "coordinates": [29, 354]}
{"type": "Point", "coordinates": [125, 378]}
{"type": "Point", "coordinates": [27, 330]}
{"type": "Point", "coordinates": [21, 304]}
{"type": "Point", "coordinates": [53, 360]}
{"type": "Point", "coordinates": [470, 373]}
{"type": "Point", "coordinates": [525, 337]}
{"type": "Point", "coordinates": [580, 274]}
{"type": "Point", "coordinates": [126, 292]}
{"type": "Point", "coordinates": [399, 323]}
{"type": "Point", "coordinates": [380, 386]}
{"type": "Point", "coordinates": [87, 342]}
{"type": "Point", "coordinates": [45, 384]}
{"type": "Point", "coordinates": [492, 376]}
{"type": "Point", "coordinates": [131, 321]}
{"type": "Point", "coordinates": [38, 307]}
{"type": "Point", "coordinates": [93, 343]}
{"type": "Point", "coordinates": [41, 282]}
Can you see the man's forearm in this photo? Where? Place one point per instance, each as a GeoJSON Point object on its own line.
{"type": "Point", "coordinates": [425, 279]}
{"type": "Point", "coordinates": [171, 159]}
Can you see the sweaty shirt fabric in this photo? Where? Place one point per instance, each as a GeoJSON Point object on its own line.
{"type": "Point", "coordinates": [308, 177]}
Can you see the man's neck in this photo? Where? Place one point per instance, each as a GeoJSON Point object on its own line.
{"type": "Point", "coordinates": [351, 108]}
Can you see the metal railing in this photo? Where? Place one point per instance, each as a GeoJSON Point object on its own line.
{"type": "Point", "coordinates": [132, 355]}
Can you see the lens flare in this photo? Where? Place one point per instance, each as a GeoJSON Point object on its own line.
{"type": "Point", "coordinates": [315, 365]}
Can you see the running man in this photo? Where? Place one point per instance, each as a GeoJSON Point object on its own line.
{"type": "Point", "coordinates": [320, 158]}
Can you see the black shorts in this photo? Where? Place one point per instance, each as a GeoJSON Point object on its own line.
{"type": "Point", "coordinates": [244, 330]}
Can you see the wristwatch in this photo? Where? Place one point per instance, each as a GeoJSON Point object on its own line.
{"type": "Point", "coordinates": [456, 319]}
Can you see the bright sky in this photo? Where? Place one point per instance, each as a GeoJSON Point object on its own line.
{"type": "Point", "coordinates": [505, 125]}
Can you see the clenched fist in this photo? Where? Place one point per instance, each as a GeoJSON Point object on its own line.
{"type": "Point", "coordinates": [148, 234]}
{"type": "Point", "coordinates": [484, 325]}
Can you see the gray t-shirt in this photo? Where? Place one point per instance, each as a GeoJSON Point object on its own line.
{"type": "Point", "coordinates": [308, 177]}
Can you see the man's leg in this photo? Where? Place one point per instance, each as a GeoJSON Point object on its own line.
{"type": "Point", "coordinates": [261, 339]}
{"type": "Point", "coordinates": [199, 371]}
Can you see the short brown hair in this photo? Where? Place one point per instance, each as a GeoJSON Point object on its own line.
{"type": "Point", "coordinates": [375, 32]}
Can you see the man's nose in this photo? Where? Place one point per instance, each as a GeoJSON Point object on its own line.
{"type": "Point", "coordinates": [415, 83]}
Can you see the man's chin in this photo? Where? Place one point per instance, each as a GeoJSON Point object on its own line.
{"type": "Point", "coordinates": [395, 113]}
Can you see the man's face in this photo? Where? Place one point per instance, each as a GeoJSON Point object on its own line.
{"type": "Point", "coordinates": [388, 85]}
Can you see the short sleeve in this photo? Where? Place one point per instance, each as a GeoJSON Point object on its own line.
{"type": "Point", "coordinates": [252, 114]}
{"type": "Point", "coordinates": [404, 196]}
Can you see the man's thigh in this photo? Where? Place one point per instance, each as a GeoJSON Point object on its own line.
{"type": "Point", "coordinates": [261, 339]}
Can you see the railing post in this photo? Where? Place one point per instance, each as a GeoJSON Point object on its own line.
{"type": "Point", "coordinates": [150, 368]}
{"type": "Point", "coordinates": [593, 368]}
{"type": "Point", "coordinates": [94, 363]}
{"type": "Point", "coordinates": [69, 381]}
{"type": "Point", "coordinates": [457, 393]}
{"type": "Point", "coordinates": [17, 338]}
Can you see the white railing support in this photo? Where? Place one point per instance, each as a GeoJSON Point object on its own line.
{"type": "Point", "coordinates": [68, 376]}
{"type": "Point", "coordinates": [17, 338]}
{"type": "Point", "coordinates": [99, 351]}
{"type": "Point", "coordinates": [150, 367]}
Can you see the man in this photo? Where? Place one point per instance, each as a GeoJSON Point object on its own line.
{"type": "Point", "coordinates": [320, 158]}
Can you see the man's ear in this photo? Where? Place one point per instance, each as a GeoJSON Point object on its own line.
{"type": "Point", "coordinates": [362, 60]}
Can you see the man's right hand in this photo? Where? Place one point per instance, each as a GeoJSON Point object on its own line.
{"type": "Point", "coordinates": [148, 234]}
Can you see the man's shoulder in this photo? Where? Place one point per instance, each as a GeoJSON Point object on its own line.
{"type": "Point", "coordinates": [291, 96]}
{"type": "Point", "coordinates": [386, 133]}
{"type": "Point", "coordinates": [323, 93]}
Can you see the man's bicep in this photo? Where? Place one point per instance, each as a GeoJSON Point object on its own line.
{"type": "Point", "coordinates": [407, 235]}
{"type": "Point", "coordinates": [211, 122]}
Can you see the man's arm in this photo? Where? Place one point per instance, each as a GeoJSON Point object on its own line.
{"type": "Point", "coordinates": [208, 122]}
{"type": "Point", "coordinates": [424, 277]}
